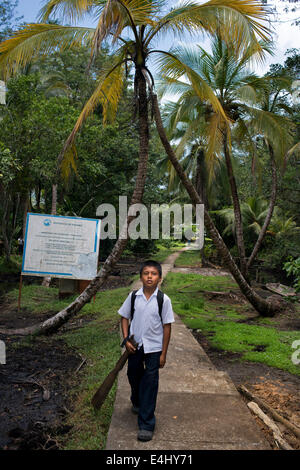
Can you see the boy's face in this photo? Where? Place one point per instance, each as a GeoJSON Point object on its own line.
{"type": "Point", "coordinates": [150, 276]}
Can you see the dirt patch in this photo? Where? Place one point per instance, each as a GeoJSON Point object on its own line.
{"type": "Point", "coordinates": [277, 388]}
{"type": "Point", "coordinates": [11, 281]}
{"type": "Point", "coordinates": [121, 275]}
{"type": "Point", "coordinates": [34, 384]}
{"type": "Point", "coordinates": [286, 319]}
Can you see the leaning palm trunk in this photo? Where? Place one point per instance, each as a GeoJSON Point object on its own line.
{"type": "Point", "coordinates": [55, 322]}
{"type": "Point", "coordinates": [262, 306]}
{"type": "Point", "coordinates": [200, 184]}
{"type": "Point", "coordinates": [237, 209]}
{"type": "Point", "coordinates": [270, 210]}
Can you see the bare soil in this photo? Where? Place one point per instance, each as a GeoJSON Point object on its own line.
{"type": "Point", "coordinates": [34, 385]}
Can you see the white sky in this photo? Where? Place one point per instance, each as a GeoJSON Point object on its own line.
{"type": "Point", "coordinates": [286, 36]}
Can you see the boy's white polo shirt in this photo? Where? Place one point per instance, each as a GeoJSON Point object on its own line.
{"type": "Point", "coordinates": [146, 325]}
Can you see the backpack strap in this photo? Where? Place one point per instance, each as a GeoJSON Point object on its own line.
{"type": "Point", "coordinates": [160, 301]}
{"type": "Point", "coordinates": [133, 296]}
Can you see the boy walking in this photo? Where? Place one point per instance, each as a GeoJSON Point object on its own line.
{"type": "Point", "coordinates": [151, 327]}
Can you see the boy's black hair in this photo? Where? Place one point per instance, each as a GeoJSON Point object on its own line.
{"type": "Point", "coordinates": [151, 262]}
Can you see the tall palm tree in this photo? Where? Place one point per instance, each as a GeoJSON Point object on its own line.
{"type": "Point", "coordinates": [268, 116]}
{"type": "Point", "coordinates": [237, 91]}
{"type": "Point", "coordinates": [184, 121]}
{"type": "Point", "coordinates": [262, 306]}
{"type": "Point", "coordinates": [131, 26]}
{"type": "Point", "coordinates": [254, 211]}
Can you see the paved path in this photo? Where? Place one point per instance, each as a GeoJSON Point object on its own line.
{"type": "Point", "coordinates": [198, 407]}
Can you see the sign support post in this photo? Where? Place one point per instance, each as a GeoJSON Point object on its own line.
{"type": "Point", "coordinates": [20, 292]}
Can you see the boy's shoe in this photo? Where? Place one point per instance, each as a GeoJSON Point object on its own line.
{"type": "Point", "coordinates": [135, 409]}
{"type": "Point", "coordinates": [144, 435]}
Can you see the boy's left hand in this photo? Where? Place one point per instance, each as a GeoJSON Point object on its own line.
{"type": "Point", "coordinates": [162, 361]}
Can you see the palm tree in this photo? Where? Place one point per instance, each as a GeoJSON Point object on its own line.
{"type": "Point", "coordinates": [143, 21]}
{"type": "Point", "coordinates": [184, 121]}
{"type": "Point", "coordinates": [254, 211]}
{"type": "Point", "coordinates": [277, 137]}
{"type": "Point", "coordinates": [234, 86]}
{"type": "Point", "coordinates": [262, 306]}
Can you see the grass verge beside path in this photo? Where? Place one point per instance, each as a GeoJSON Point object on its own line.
{"type": "Point", "coordinates": [189, 258]}
{"type": "Point", "coordinates": [164, 251]}
{"type": "Point", "coordinates": [260, 342]}
{"type": "Point", "coordinates": [98, 341]}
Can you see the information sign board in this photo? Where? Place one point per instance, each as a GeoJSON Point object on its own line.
{"type": "Point", "coordinates": [64, 247]}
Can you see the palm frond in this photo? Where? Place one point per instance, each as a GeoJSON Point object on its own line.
{"type": "Point", "coordinates": [214, 144]}
{"type": "Point", "coordinates": [294, 149]}
{"type": "Point", "coordinates": [107, 94]}
{"type": "Point", "coordinates": [277, 129]}
{"type": "Point", "coordinates": [187, 137]}
{"type": "Point", "coordinates": [174, 67]}
{"type": "Point", "coordinates": [68, 162]}
{"type": "Point", "coordinates": [242, 135]}
{"type": "Point", "coordinates": [38, 40]}
{"type": "Point", "coordinates": [68, 10]}
{"type": "Point", "coordinates": [119, 14]}
{"type": "Point", "coordinates": [247, 93]}
{"type": "Point", "coordinates": [237, 21]}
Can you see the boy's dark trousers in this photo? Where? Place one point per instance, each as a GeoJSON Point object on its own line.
{"type": "Point", "coordinates": [144, 385]}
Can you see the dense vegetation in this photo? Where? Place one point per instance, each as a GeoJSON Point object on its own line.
{"type": "Point", "coordinates": [245, 172]}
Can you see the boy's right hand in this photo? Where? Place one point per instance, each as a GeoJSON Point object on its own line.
{"type": "Point", "coordinates": [130, 348]}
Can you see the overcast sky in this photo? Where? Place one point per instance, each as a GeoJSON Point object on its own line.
{"type": "Point", "coordinates": [286, 35]}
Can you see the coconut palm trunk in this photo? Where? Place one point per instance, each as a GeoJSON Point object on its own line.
{"type": "Point", "coordinates": [200, 183]}
{"type": "Point", "coordinates": [143, 21]}
{"type": "Point", "coordinates": [55, 322]}
{"type": "Point", "coordinates": [270, 210]}
{"type": "Point", "coordinates": [262, 306]}
{"type": "Point", "coordinates": [236, 207]}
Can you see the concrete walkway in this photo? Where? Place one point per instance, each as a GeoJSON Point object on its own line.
{"type": "Point", "coordinates": [198, 407]}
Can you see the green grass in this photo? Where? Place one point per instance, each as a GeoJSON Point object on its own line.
{"type": "Point", "coordinates": [216, 320]}
{"type": "Point", "coordinates": [189, 303]}
{"type": "Point", "coordinates": [188, 258]}
{"type": "Point", "coordinates": [37, 299]}
{"type": "Point", "coordinates": [11, 267]}
{"type": "Point", "coordinates": [99, 343]}
{"type": "Point", "coordinates": [164, 251]}
{"type": "Point", "coordinates": [175, 281]}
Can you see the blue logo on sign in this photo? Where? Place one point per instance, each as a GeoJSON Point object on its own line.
{"type": "Point", "coordinates": [47, 222]}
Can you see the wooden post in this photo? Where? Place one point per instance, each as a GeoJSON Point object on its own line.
{"type": "Point", "coordinates": [20, 291]}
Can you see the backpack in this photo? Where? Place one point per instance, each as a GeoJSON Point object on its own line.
{"type": "Point", "coordinates": [160, 301]}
